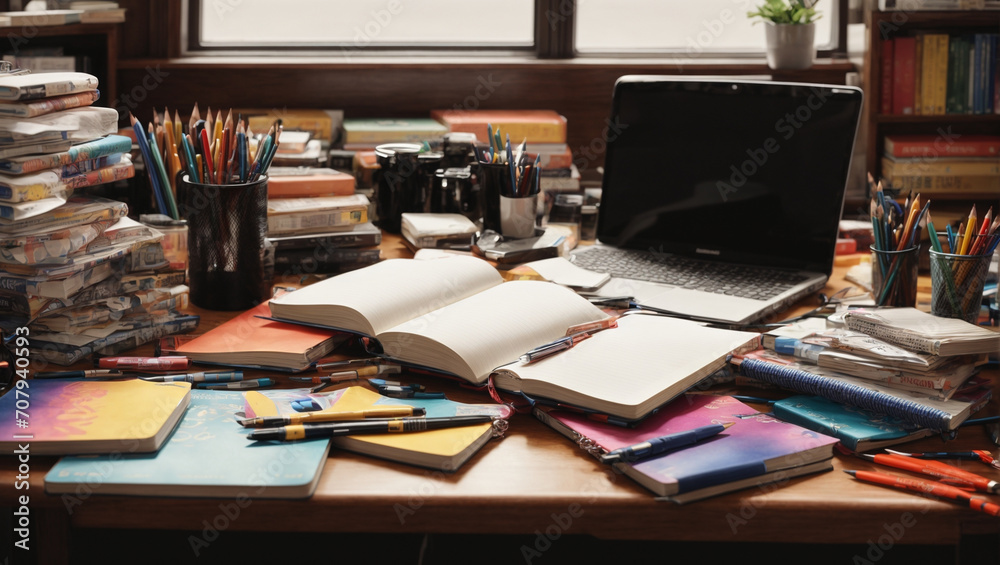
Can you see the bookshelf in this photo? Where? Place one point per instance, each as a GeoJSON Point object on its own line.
{"type": "Point", "coordinates": [98, 41]}
{"type": "Point", "coordinates": [884, 26]}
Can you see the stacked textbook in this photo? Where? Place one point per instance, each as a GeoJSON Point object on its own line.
{"type": "Point", "coordinates": [317, 224]}
{"type": "Point", "coordinates": [904, 368]}
{"type": "Point", "coordinates": [73, 268]}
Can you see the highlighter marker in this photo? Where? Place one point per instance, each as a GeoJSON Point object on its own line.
{"type": "Point", "coordinates": [166, 363]}
{"type": "Point", "coordinates": [203, 377]}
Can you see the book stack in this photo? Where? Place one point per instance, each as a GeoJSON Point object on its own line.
{"type": "Point", "coordinates": [931, 164]}
{"type": "Point", "coordinates": [899, 363]}
{"type": "Point", "coordinates": [364, 134]}
{"type": "Point", "coordinates": [938, 73]}
{"type": "Point", "coordinates": [74, 269]}
{"type": "Point", "coordinates": [544, 132]}
{"type": "Point", "coordinates": [324, 234]}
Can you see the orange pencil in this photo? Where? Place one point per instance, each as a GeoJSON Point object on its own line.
{"type": "Point", "coordinates": [978, 246]}
{"type": "Point", "coordinates": [928, 487]}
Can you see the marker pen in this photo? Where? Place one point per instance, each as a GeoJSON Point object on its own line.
{"type": "Point", "coordinates": [202, 377]}
{"type": "Point", "coordinates": [166, 363]}
{"type": "Point", "coordinates": [238, 385]}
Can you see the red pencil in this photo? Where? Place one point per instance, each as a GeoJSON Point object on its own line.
{"type": "Point", "coordinates": [929, 487]}
{"type": "Point", "coordinates": [947, 473]}
{"type": "Point", "coordinates": [206, 145]}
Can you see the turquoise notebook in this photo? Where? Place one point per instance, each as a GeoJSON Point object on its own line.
{"type": "Point", "coordinates": [207, 455]}
{"type": "Point", "coordinates": [857, 429]}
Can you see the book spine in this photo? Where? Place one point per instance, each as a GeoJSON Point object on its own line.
{"type": "Point", "coordinates": [952, 100]}
{"type": "Point", "coordinates": [887, 57]}
{"type": "Point", "coordinates": [941, 75]}
{"type": "Point", "coordinates": [120, 171]}
{"type": "Point", "coordinates": [290, 223]}
{"type": "Point", "coordinates": [954, 148]}
{"type": "Point", "coordinates": [977, 75]}
{"type": "Point", "coordinates": [919, 68]}
{"type": "Point", "coordinates": [846, 393]}
{"type": "Point", "coordinates": [347, 239]}
{"type": "Point", "coordinates": [927, 184]}
{"type": "Point", "coordinates": [904, 75]}
{"type": "Point", "coordinates": [942, 167]}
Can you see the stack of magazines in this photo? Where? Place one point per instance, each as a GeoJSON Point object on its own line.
{"type": "Point", "coordinates": [74, 268]}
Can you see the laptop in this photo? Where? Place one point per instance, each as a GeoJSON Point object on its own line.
{"type": "Point", "coordinates": [721, 197]}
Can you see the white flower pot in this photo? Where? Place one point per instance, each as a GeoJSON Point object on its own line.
{"type": "Point", "coordinates": [790, 46]}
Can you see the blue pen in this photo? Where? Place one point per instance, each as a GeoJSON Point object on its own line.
{"type": "Point", "coordinates": [798, 349]}
{"type": "Point", "coordinates": [662, 444]}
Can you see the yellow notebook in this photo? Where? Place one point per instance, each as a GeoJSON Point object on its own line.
{"type": "Point", "coordinates": [444, 450]}
{"type": "Point", "coordinates": [61, 417]}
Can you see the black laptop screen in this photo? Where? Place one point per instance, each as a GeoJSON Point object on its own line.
{"type": "Point", "coordinates": [746, 172]}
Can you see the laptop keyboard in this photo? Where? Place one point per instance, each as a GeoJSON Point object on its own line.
{"type": "Point", "coordinates": [735, 280]}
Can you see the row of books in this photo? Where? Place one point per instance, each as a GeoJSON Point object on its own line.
{"type": "Point", "coordinates": [936, 74]}
{"type": "Point", "coordinates": [74, 269]}
{"type": "Point", "coordinates": [135, 436]}
{"type": "Point", "coordinates": [942, 163]}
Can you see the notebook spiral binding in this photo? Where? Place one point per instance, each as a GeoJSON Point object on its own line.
{"type": "Point", "coordinates": [808, 383]}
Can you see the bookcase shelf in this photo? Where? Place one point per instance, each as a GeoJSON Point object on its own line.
{"type": "Point", "coordinates": [886, 25]}
{"type": "Point", "coordinates": [99, 41]}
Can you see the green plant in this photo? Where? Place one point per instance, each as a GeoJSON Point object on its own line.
{"type": "Point", "coordinates": [786, 11]}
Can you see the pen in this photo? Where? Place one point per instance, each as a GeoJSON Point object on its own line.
{"type": "Point", "coordinates": [798, 349]}
{"type": "Point", "coordinates": [929, 487]}
{"type": "Point", "coordinates": [367, 371]}
{"type": "Point", "coordinates": [974, 455]}
{"type": "Point", "coordinates": [202, 377]}
{"type": "Point", "coordinates": [407, 392]}
{"type": "Point", "coordinates": [943, 471]}
{"type": "Point", "coordinates": [657, 445]}
{"type": "Point", "coordinates": [144, 363]}
{"type": "Point", "coordinates": [239, 385]}
{"type": "Point", "coordinates": [301, 431]}
{"type": "Point", "coordinates": [609, 322]}
{"type": "Point", "coordinates": [329, 416]}
{"type": "Point", "coordinates": [349, 363]}
{"type": "Point", "coordinates": [95, 373]}
{"type": "Point", "coordinates": [556, 346]}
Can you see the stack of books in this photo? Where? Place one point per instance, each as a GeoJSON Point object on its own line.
{"type": "Point", "coordinates": [84, 278]}
{"type": "Point", "coordinates": [938, 73]}
{"type": "Point", "coordinates": [365, 134]}
{"type": "Point", "coordinates": [899, 366]}
{"type": "Point", "coordinates": [326, 233]}
{"type": "Point", "coordinates": [931, 164]}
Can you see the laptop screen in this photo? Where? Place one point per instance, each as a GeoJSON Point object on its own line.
{"type": "Point", "coordinates": [730, 170]}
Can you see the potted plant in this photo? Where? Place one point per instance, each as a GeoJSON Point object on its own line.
{"type": "Point", "coordinates": [790, 30]}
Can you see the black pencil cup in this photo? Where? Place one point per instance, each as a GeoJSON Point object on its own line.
{"type": "Point", "coordinates": [227, 227]}
{"type": "Point", "coordinates": [506, 210]}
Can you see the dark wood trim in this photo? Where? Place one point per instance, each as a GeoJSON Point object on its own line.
{"type": "Point", "coordinates": [554, 29]}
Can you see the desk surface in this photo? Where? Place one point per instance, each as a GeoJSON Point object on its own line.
{"type": "Point", "coordinates": [516, 485]}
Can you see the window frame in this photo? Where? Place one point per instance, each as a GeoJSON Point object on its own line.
{"type": "Point", "coordinates": [554, 38]}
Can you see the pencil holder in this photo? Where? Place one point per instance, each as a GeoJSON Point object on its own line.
{"type": "Point", "coordinates": [398, 186]}
{"type": "Point", "coordinates": [957, 283]}
{"type": "Point", "coordinates": [511, 212]}
{"type": "Point", "coordinates": [894, 277]}
{"type": "Point", "coordinates": [227, 227]}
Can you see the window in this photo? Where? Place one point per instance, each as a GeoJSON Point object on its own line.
{"type": "Point", "coordinates": [359, 24]}
{"type": "Point", "coordinates": [706, 27]}
{"type": "Point", "coordinates": [562, 28]}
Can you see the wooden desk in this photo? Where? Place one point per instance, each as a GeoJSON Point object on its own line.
{"type": "Point", "coordinates": [536, 483]}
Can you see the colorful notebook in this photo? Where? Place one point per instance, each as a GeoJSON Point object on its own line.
{"type": "Point", "coordinates": [757, 449]}
{"type": "Point", "coordinates": [250, 341]}
{"type": "Point", "coordinates": [207, 455]}
{"type": "Point", "coordinates": [443, 450]}
{"type": "Point", "coordinates": [75, 416]}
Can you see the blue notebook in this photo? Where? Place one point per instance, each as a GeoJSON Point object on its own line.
{"type": "Point", "coordinates": [208, 455]}
{"type": "Point", "coordinates": [857, 429]}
